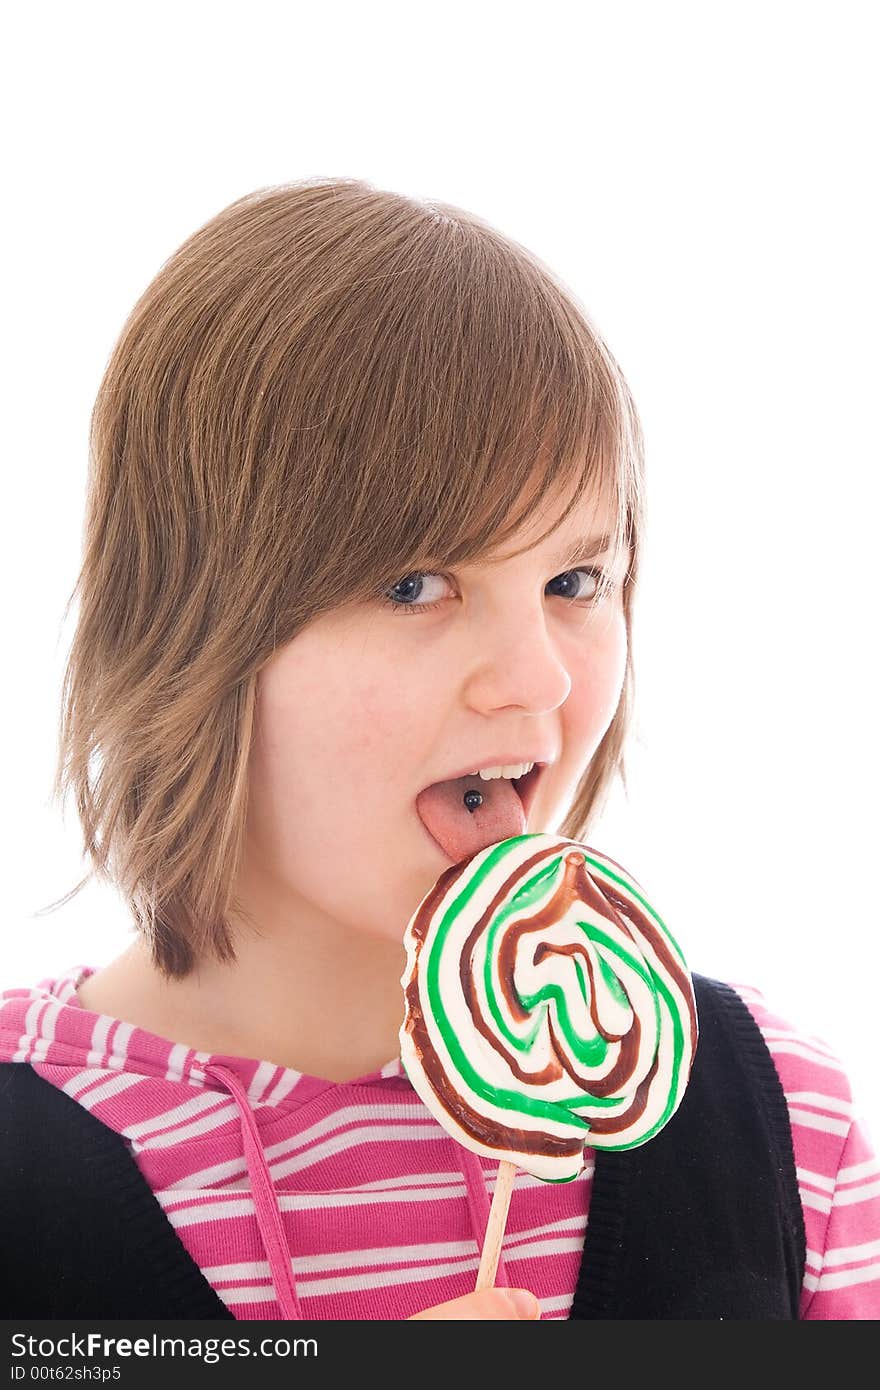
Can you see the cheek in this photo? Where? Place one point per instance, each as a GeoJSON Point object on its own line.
{"type": "Point", "coordinates": [597, 676]}
{"type": "Point", "coordinates": [378, 713]}
{"type": "Point", "coordinates": [597, 669]}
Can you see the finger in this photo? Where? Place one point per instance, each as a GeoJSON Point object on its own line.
{"type": "Point", "coordinates": [487, 1305]}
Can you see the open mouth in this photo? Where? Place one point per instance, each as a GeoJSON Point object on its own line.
{"type": "Point", "coordinates": [465, 814]}
{"type": "Point", "coordinates": [527, 786]}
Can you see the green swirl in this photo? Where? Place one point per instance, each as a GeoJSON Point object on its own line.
{"type": "Point", "coordinates": [588, 1051]}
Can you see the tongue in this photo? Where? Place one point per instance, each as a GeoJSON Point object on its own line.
{"type": "Point", "coordinates": [460, 832]}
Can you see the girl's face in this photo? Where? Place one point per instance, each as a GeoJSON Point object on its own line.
{"type": "Point", "coordinates": [373, 702]}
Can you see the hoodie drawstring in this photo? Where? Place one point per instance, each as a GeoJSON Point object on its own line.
{"type": "Point", "coordinates": [265, 1200]}
{"type": "Point", "coordinates": [268, 1214]}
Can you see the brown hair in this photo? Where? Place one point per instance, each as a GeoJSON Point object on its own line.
{"type": "Point", "coordinates": [323, 385]}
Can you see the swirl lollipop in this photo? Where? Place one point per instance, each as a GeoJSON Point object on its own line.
{"type": "Point", "coordinates": [547, 1008]}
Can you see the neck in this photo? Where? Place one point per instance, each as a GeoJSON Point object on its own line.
{"type": "Point", "coordinates": [325, 1002]}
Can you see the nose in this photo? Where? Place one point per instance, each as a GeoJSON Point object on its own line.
{"type": "Point", "coordinates": [516, 662]}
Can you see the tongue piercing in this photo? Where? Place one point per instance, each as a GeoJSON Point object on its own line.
{"type": "Point", "coordinates": [472, 800]}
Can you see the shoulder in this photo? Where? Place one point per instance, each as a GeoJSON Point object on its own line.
{"type": "Point", "coordinates": [818, 1103]}
{"type": "Point", "coordinates": [812, 1076]}
{"type": "Point", "coordinates": [838, 1173]}
{"type": "Point", "coordinates": [817, 1092]}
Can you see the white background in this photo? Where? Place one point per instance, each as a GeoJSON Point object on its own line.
{"type": "Point", "coordinates": [704, 177]}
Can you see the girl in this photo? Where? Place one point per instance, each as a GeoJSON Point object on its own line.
{"type": "Point", "coordinates": [336, 407]}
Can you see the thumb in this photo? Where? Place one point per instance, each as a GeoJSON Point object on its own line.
{"type": "Point", "coordinates": [487, 1305]}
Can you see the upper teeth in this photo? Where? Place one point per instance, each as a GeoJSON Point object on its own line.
{"type": "Point", "coordinates": [512, 770]}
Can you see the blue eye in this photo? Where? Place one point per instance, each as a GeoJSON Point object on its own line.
{"type": "Point", "coordinates": [410, 588]}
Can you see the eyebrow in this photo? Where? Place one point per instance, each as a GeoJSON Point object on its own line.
{"type": "Point", "coordinates": [584, 549]}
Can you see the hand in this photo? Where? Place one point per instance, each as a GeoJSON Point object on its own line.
{"type": "Point", "coordinates": [487, 1304]}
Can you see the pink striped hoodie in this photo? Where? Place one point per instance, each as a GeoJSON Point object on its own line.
{"type": "Point", "coordinates": [299, 1197]}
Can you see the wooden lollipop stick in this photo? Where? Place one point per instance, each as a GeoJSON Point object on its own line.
{"type": "Point", "coordinates": [495, 1226]}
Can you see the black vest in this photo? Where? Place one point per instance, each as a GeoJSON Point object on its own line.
{"type": "Point", "coordinates": [704, 1221]}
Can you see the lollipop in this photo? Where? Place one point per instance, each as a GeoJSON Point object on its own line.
{"type": "Point", "coordinates": [547, 1008]}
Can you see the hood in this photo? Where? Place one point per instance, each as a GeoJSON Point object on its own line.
{"type": "Point", "coordinates": [125, 1074]}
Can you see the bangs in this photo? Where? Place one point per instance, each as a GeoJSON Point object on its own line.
{"type": "Point", "coordinates": [453, 386]}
